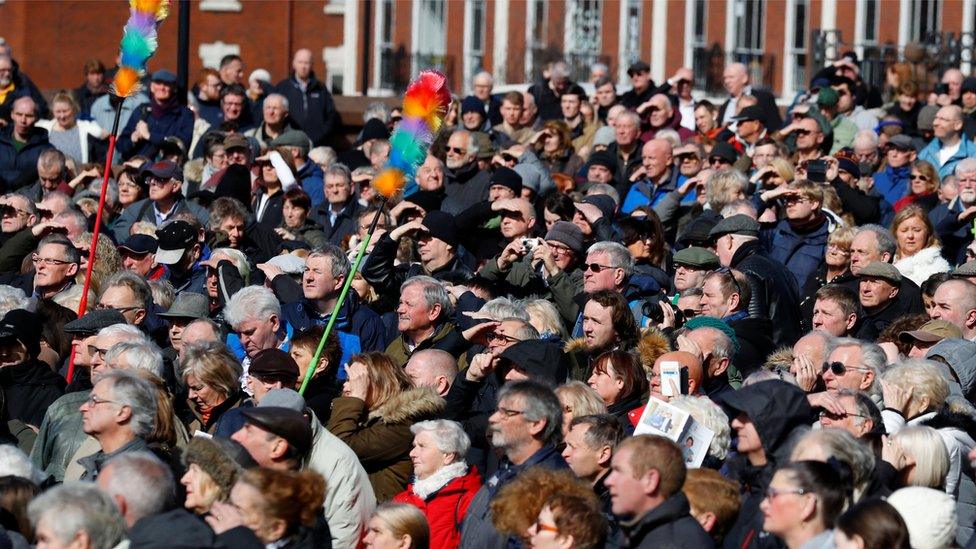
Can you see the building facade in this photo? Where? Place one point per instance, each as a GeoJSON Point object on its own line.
{"type": "Point", "coordinates": [373, 47]}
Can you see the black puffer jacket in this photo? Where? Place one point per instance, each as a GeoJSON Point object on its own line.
{"type": "Point", "coordinates": [668, 525]}
{"type": "Point", "coordinates": [774, 292]}
{"type": "Point", "coordinates": [781, 415]}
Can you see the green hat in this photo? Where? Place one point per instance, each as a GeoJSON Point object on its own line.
{"type": "Point", "coordinates": [696, 257]}
{"type": "Point", "coordinates": [828, 97]}
{"type": "Point", "coordinates": [292, 138]}
{"type": "Point", "coordinates": [737, 224]}
{"type": "Point", "coordinates": [880, 269]}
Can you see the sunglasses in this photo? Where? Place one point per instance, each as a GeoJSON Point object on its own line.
{"type": "Point", "coordinates": [457, 150]}
{"type": "Point", "coordinates": [717, 160]}
{"type": "Point", "coordinates": [918, 177]}
{"type": "Point", "coordinates": [839, 368]}
{"type": "Point", "coordinates": [596, 267]}
{"type": "Point", "coordinates": [802, 132]}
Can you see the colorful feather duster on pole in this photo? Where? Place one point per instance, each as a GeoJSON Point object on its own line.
{"type": "Point", "coordinates": [424, 108]}
{"type": "Point", "coordinates": [138, 44]}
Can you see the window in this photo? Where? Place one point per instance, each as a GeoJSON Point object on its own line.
{"type": "Point", "coordinates": [923, 19]}
{"type": "Point", "coordinates": [700, 62]}
{"type": "Point", "coordinates": [536, 39]}
{"type": "Point", "coordinates": [749, 26]}
{"type": "Point", "coordinates": [798, 45]}
{"type": "Point", "coordinates": [583, 36]}
{"type": "Point", "coordinates": [430, 38]}
{"type": "Point", "coordinates": [632, 24]}
{"type": "Point", "coordinates": [474, 38]}
{"type": "Point", "coordinates": [869, 29]}
{"type": "Point", "coordinates": [385, 78]}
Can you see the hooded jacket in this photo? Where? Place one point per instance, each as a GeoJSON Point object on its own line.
{"type": "Point", "coordinates": [381, 437]}
{"type": "Point", "coordinates": [670, 524]}
{"type": "Point", "coordinates": [801, 251]}
{"type": "Point", "coordinates": [781, 415]}
{"type": "Point", "coordinates": [960, 356]}
{"type": "Point", "coordinates": [445, 508]}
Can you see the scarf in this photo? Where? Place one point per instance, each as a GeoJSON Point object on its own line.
{"type": "Point", "coordinates": [158, 110]}
{"type": "Point", "coordinates": [439, 479]}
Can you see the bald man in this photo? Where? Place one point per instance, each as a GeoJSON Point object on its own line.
{"type": "Point", "coordinates": [21, 145]}
{"type": "Point", "coordinates": [735, 79]}
{"type": "Point", "coordinates": [432, 368]}
{"type": "Point", "coordinates": [950, 145]}
{"type": "Point", "coordinates": [654, 179]}
{"type": "Point", "coordinates": [309, 100]}
{"type": "Point", "coordinates": [955, 301]}
{"type": "Point", "coordinates": [688, 363]}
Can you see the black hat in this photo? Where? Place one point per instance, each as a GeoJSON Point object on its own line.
{"type": "Point", "coordinates": [696, 231]}
{"type": "Point", "coordinates": [603, 158]}
{"type": "Point", "coordinates": [507, 177]}
{"type": "Point", "coordinates": [752, 112]}
{"type": "Point", "coordinates": [23, 326]}
{"type": "Point", "coordinates": [441, 226]}
{"type": "Point", "coordinates": [725, 151]}
{"type": "Point", "coordinates": [472, 104]}
{"type": "Point", "coordinates": [94, 321]}
{"type": "Point", "coordinates": [737, 224]}
{"type": "Point", "coordinates": [139, 244]}
{"type": "Point", "coordinates": [845, 164]}
{"type": "Point", "coordinates": [287, 424]}
{"type": "Point", "coordinates": [603, 201]}
{"type": "Point", "coordinates": [274, 365]}
{"type": "Point", "coordinates": [374, 129]}
{"type": "Point", "coordinates": [164, 76]}
{"type": "Point", "coordinates": [174, 240]}
{"type": "Point", "coordinates": [638, 67]}
{"type": "Point", "coordinates": [969, 84]}
{"type": "Point", "coordinates": [164, 169]}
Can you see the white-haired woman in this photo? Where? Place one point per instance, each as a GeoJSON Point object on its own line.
{"type": "Point", "coordinates": [918, 389]}
{"type": "Point", "coordinates": [443, 484]}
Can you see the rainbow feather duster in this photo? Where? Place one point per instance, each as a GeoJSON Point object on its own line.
{"type": "Point", "coordinates": [424, 108]}
{"type": "Point", "coordinates": [138, 44]}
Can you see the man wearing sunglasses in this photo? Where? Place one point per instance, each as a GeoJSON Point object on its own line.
{"type": "Point", "coordinates": [853, 364]}
{"type": "Point", "coordinates": [165, 201]}
{"type": "Point", "coordinates": [466, 185]}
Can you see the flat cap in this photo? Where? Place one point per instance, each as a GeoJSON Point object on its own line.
{"type": "Point", "coordinates": [880, 269]}
{"type": "Point", "coordinates": [931, 332]}
{"type": "Point", "coordinates": [902, 142]}
{"type": "Point", "coordinates": [188, 305]}
{"type": "Point", "coordinates": [292, 138]}
{"type": "Point", "coordinates": [236, 141]}
{"type": "Point", "coordinates": [696, 257]}
{"type": "Point", "coordinates": [164, 76]}
{"type": "Point", "coordinates": [737, 224]}
{"type": "Point", "coordinates": [94, 321]}
{"type": "Point", "coordinates": [287, 424]}
{"type": "Point", "coordinates": [273, 365]}
{"type": "Point", "coordinates": [965, 270]}
{"type": "Point", "coordinates": [638, 67]}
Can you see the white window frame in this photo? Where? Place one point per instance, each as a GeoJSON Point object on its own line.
{"type": "Point", "coordinates": [474, 54]}
{"type": "Point", "coordinates": [574, 45]}
{"type": "Point", "coordinates": [629, 38]}
{"type": "Point", "coordinates": [534, 40]}
{"type": "Point", "coordinates": [376, 87]}
{"type": "Point", "coordinates": [418, 19]}
{"type": "Point", "coordinates": [791, 52]}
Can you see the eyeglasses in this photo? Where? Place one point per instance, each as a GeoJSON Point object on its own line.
{"type": "Point", "coordinates": [95, 351]}
{"type": "Point", "coordinates": [543, 527]}
{"type": "Point", "coordinates": [596, 267]}
{"type": "Point", "coordinates": [773, 493]}
{"type": "Point", "coordinates": [838, 417]}
{"type": "Point", "coordinates": [156, 181]}
{"type": "Point", "coordinates": [561, 250]}
{"type": "Point", "coordinates": [495, 336]}
{"type": "Point", "coordinates": [802, 133]}
{"type": "Point", "coordinates": [918, 176]}
{"type": "Point", "coordinates": [687, 158]}
{"type": "Point", "coordinates": [839, 368]}
{"type": "Point", "coordinates": [49, 261]}
{"type": "Point", "coordinates": [837, 249]}
{"type": "Point", "coordinates": [103, 307]}
{"type": "Point", "coordinates": [457, 150]}
{"type": "Point", "coordinates": [508, 412]}
{"type": "Point", "coordinates": [94, 400]}
{"type": "Point", "coordinates": [717, 160]}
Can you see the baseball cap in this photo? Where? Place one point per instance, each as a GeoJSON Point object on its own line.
{"type": "Point", "coordinates": [174, 239]}
{"type": "Point", "coordinates": [931, 332]}
{"type": "Point", "coordinates": [23, 326]}
{"type": "Point", "coordinates": [164, 169]}
{"type": "Point", "coordinates": [139, 244]}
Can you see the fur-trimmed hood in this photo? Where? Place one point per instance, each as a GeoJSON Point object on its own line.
{"type": "Point", "coordinates": [652, 344]}
{"type": "Point", "coordinates": [780, 359]}
{"type": "Point", "coordinates": [575, 345]}
{"type": "Point", "coordinates": [412, 405]}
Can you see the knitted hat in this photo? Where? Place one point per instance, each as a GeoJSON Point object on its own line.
{"type": "Point", "coordinates": [567, 233]}
{"type": "Point", "coordinates": [828, 97]}
{"type": "Point", "coordinates": [472, 104]}
{"type": "Point", "coordinates": [603, 158]}
{"type": "Point", "coordinates": [507, 177]}
{"type": "Point", "coordinates": [219, 458]}
{"type": "Point", "coordinates": [929, 514]}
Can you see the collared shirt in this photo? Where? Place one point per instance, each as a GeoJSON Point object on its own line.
{"type": "Point", "coordinates": [162, 217]}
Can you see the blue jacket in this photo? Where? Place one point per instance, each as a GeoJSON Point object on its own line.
{"type": "Point", "coordinates": [175, 122]}
{"type": "Point", "coordinates": [802, 253]}
{"type": "Point", "coordinates": [355, 319]}
{"type": "Point", "coordinates": [19, 168]}
{"type": "Point", "coordinates": [644, 192]}
{"type": "Point", "coordinates": [892, 183]}
{"type": "Point", "coordinates": [313, 182]}
{"type": "Point", "coordinates": [930, 154]}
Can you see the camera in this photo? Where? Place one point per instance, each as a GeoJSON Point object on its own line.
{"type": "Point", "coordinates": [651, 309]}
{"type": "Point", "coordinates": [530, 243]}
{"type": "Point", "coordinates": [817, 171]}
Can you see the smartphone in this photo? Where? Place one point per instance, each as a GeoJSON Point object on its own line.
{"type": "Point", "coordinates": [817, 171]}
{"type": "Point", "coordinates": [670, 378]}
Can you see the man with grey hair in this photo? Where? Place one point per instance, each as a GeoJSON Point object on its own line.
{"type": "Point", "coordinates": [254, 313]}
{"type": "Point", "coordinates": [866, 149]}
{"type": "Point", "coordinates": [76, 514]}
{"type": "Point", "coordinates": [876, 243]}
{"type": "Point", "coordinates": [424, 321]}
{"type": "Point", "coordinates": [590, 441]}
{"type": "Point", "coordinates": [481, 87]}
{"type": "Point", "coordinates": [526, 428]}
{"type": "Point", "coordinates": [735, 79]}
{"type": "Point", "coordinates": [717, 348]}
{"type": "Point", "coordinates": [21, 144]}
{"type": "Point", "coordinates": [120, 413]}
{"type": "Point", "coordinates": [339, 213]}
{"type": "Point", "coordinates": [466, 185]}
{"type": "Point", "coordinates": [140, 483]}
{"type": "Point", "coordinates": [275, 121]}
{"type": "Point", "coordinates": [313, 302]}
{"type": "Point", "coordinates": [953, 220]}
{"type": "Point", "coordinates": [854, 364]}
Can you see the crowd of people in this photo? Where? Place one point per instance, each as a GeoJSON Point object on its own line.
{"type": "Point", "coordinates": [799, 283]}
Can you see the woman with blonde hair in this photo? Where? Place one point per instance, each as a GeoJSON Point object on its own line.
{"type": "Point", "coordinates": [544, 317]}
{"type": "Point", "coordinates": [578, 399]}
{"type": "Point", "coordinates": [919, 456]}
{"type": "Point", "coordinates": [213, 465]}
{"type": "Point", "coordinates": [212, 377]}
{"type": "Point", "coordinates": [836, 264]}
{"type": "Point", "coordinates": [397, 526]}
{"type": "Point", "coordinates": [374, 415]}
{"type": "Point", "coordinates": [75, 138]}
{"type": "Point", "coordinates": [923, 184]}
{"type": "Point", "coordinates": [919, 252]}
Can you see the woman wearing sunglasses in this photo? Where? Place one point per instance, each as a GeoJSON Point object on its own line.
{"type": "Point", "coordinates": [568, 521]}
{"type": "Point", "coordinates": [802, 502]}
{"type": "Point", "coordinates": [923, 186]}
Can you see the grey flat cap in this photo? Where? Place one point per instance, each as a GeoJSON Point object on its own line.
{"type": "Point", "coordinates": [284, 398]}
{"type": "Point", "coordinates": [94, 321]}
{"type": "Point", "coordinates": [965, 270]}
{"type": "Point", "coordinates": [737, 224]}
{"type": "Point", "coordinates": [880, 269]}
{"type": "Point", "coordinates": [188, 305]}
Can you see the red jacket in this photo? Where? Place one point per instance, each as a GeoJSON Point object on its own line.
{"type": "Point", "coordinates": [445, 509]}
